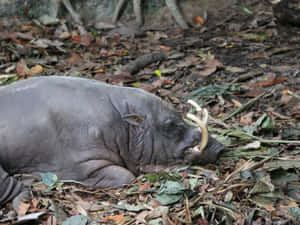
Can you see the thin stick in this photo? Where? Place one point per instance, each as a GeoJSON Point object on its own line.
{"type": "Point", "coordinates": [243, 107]}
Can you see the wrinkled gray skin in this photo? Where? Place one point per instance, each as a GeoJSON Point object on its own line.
{"type": "Point", "coordinates": [88, 131]}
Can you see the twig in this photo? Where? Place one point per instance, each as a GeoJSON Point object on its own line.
{"type": "Point", "coordinates": [267, 141]}
{"type": "Point", "coordinates": [243, 107]}
{"type": "Point", "coordinates": [249, 165]}
{"type": "Point", "coordinates": [233, 186]}
{"type": "Point", "coordinates": [233, 214]}
{"type": "Point", "coordinates": [219, 122]}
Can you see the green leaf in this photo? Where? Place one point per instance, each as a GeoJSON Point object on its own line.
{"type": "Point", "coordinates": [193, 183]}
{"type": "Point", "coordinates": [166, 199]}
{"type": "Point", "coordinates": [152, 177]}
{"type": "Point", "coordinates": [295, 212]}
{"type": "Point", "coordinates": [137, 84]}
{"type": "Point", "coordinates": [264, 185]}
{"type": "Point", "coordinates": [49, 179]}
{"type": "Point", "coordinates": [158, 73]}
{"type": "Point", "coordinates": [76, 220]}
{"type": "Point", "coordinates": [268, 124]}
{"type": "Point", "coordinates": [157, 221]}
{"type": "Point", "coordinates": [247, 10]}
{"type": "Point", "coordinates": [95, 32]}
{"type": "Point", "coordinates": [291, 133]}
{"type": "Point", "coordinates": [212, 90]}
{"type": "Point", "coordinates": [170, 192]}
{"type": "Point", "coordinates": [129, 207]}
{"type": "Point", "coordinates": [171, 187]}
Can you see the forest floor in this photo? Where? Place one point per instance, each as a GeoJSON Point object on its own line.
{"type": "Point", "coordinates": [240, 65]}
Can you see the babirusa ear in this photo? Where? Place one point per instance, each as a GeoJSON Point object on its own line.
{"type": "Point", "coordinates": [134, 119]}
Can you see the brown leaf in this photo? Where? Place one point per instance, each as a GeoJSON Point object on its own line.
{"type": "Point", "coordinates": [202, 221]}
{"type": "Point", "coordinates": [198, 19]}
{"type": "Point", "coordinates": [247, 119]}
{"type": "Point", "coordinates": [258, 55]}
{"type": "Point", "coordinates": [168, 221]}
{"type": "Point", "coordinates": [76, 38]}
{"type": "Point", "coordinates": [102, 42]}
{"type": "Point", "coordinates": [147, 87]}
{"type": "Point", "coordinates": [254, 92]}
{"type": "Point", "coordinates": [115, 218]}
{"type": "Point", "coordinates": [25, 36]}
{"type": "Point", "coordinates": [34, 204]}
{"type": "Point", "coordinates": [64, 35]}
{"type": "Point", "coordinates": [35, 70]}
{"type": "Point", "coordinates": [86, 39]}
{"type": "Point", "coordinates": [165, 48]}
{"type": "Point", "coordinates": [269, 80]}
{"type": "Point", "coordinates": [211, 65]}
{"type": "Point", "coordinates": [141, 217]}
{"type": "Point", "coordinates": [99, 70]}
{"type": "Point", "coordinates": [158, 83]}
{"type": "Point", "coordinates": [22, 68]}
{"type": "Point", "coordinates": [236, 103]}
{"type": "Point", "coordinates": [23, 208]}
{"type": "Point", "coordinates": [51, 220]}
{"type": "Point", "coordinates": [75, 59]}
{"type": "Point", "coordinates": [144, 186]}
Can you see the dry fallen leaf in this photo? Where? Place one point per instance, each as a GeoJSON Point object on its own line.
{"type": "Point", "coordinates": [165, 48]}
{"type": "Point", "coordinates": [35, 70]}
{"type": "Point", "coordinates": [23, 208]}
{"type": "Point", "coordinates": [75, 59]}
{"type": "Point", "coordinates": [22, 68]}
{"type": "Point", "coordinates": [247, 119]}
{"type": "Point", "coordinates": [211, 65]}
{"type": "Point", "coordinates": [269, 80]}
{"type": "Point", "coordinates": [198, 19]}
{"type": "Point", "coordinates": [115, 218]}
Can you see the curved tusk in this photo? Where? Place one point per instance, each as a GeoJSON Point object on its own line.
{"type": "Point", "coordinates": [195, 104]}
{"type": "Point", "coordinates": [203, 128]}
{"type": "Point", "coordinates": [204, 112]}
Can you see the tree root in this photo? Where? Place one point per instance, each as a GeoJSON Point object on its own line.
{"type": "Point", "coordinates": [75, 16]}
{"type": "Point", "coordinates": [137, 6]}
{"type": "Point", "coordinates": [119, 10]}
{"type": "Point", "coordinates": [172, 5]}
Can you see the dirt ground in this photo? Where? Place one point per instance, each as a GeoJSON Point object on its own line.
{"type": "Point", "coordinates": [240, 64]}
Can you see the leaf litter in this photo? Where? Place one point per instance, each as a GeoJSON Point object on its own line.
{"type": "Point", "coordinates": [246, 76]}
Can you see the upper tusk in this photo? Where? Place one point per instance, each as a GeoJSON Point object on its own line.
{"type": "Point", "coordinates": [204, 112]}
{"type": "Point", "coordinates": [203, 128]}
{"type": "Point", "coordinates": [195, 104]}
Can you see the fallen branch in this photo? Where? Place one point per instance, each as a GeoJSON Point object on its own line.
{"type": "Point", "coordinates": [144, 60]}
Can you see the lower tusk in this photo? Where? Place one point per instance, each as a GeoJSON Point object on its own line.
{"type": "Point", "coordinates": [203, 128]}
